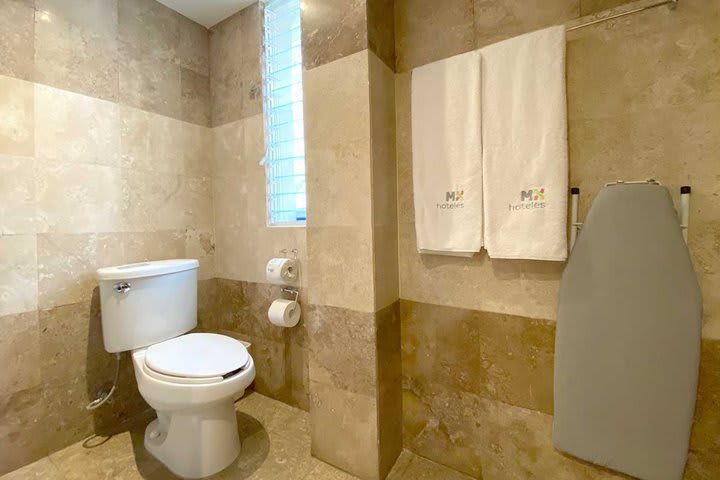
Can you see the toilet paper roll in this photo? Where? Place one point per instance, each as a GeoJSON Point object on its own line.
{"type": "Point", "coordinates": [284, 313]}
{"type": "Point", "coordinates": [281, 271]}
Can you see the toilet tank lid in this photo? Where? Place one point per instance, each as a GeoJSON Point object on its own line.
{"type": "Point", "coordinates": [146, 269]}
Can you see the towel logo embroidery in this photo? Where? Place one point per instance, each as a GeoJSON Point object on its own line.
{"type": "Point", "coordinates": [530, 199]}
{"type": "Point", "coordinates": [532, 194]}
{"type": "Point", "coordinates": [454, 199]}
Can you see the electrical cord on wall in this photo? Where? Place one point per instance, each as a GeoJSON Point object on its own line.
{"type": "Point", "coordinates": [104, 397]}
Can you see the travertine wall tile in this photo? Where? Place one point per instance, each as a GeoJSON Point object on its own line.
{"type": "Point", "coordinates": [193, 47]}
{"type": "Point", "coordinates": [76, 46]}
{"type": "Point", "coordinates": [403, 148]}
{"type": "Point", "coordinates": [339, 236]}
{"type": "Point", "coordinates": [383, 142]}
{"type": "Point", "coordinates": [381, 30]}
{"type": "Point", "coordinates": [340, 269]}
{"type": "Point", "coordinates": [19, 352]}
{"type": "Point", "coordinates": [200, 244]}
{"type": "Point", "coordinates": [18, 203]}
{"type": "Point", "coordinates": [18, 274]}
{"type": "Point", "coordinates": [197, 202]}
{"type": "Point", "coordinates": [17, 49]}
{"type": "Point", "coordinates": [500, 357]}
{"type": "Point", "coordinates": [588, 7]}
{"type": "Point", "coordinates": [67, 264]}
{"type": "Point", "coordinates": [226, 71]}
{"type": "Point", "coordinates": [149, 141]}
{"type": "Point", "coordinates": [385, 251]}
{"type": "Point", "coordinates": [71, 342]}
{"type": "Point", "coordinates": [230, 199]}
{"type": "Point", "coordinates": [497, 20]}
{"type": "Point", "coordinates": [425, 33]}
{"type": "Point", "coordinates": [685, 59]}
{"type": "Point", "coordinates": [151, 84]}
{"type": "Point", "coordinates": [77, 198]}
{"type": "Point", "coordinates": [251, 48]}
{"type": "Point", "coordinates": [516, 287]}
{"type": "Point", "coordinates": [337, 143]}
{"type": "Point", "coordinates": [341, 422]}
{"type": "Point", "coordinates": [148, 28]}
{"type": "Point", "coordinates": [342, 348]}
{"type": "Point", "coordinates": [197, 149]}
{"type": "Point", "coordinates": [384, 182]}
{"type": "Point", "coordinates": [235, 68]}
{"type": "Point", "coordinates": [485, 438]}
{"type": "Point", "coordinates": [16, 110]}
{"type": "Point", "coordinates": [332, 29]}
{"type": "Point", "coordinates": [705, 439]}
{"type": "Point", "coordinates": [22, 430]}
{"type": "Point", "coordinates": [163, 202]}
{"type": "Point", "coordinates": [143, 246]}
{"type": "Point", "coordinates": [75, 128]}
{"type": "Point", "coordinates": [195, 92]}
{"type": "Point", "coordinates": [159, 50]}
{"type": "Point", "coordinates": [232, 253]}
{"type": "Point", "coordinates": [389, 385]}
{"type": "Point", "coordinates": [228, 142]}
{"type": "Point", "coordinates": [337, 100]}
{"type": "Point", "coordinates": [339, 183]}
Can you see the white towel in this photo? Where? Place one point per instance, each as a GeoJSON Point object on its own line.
{"type": "Point", "coordinates": [447, 149]}
{"type": "Point", "coordinates": [525, 159]}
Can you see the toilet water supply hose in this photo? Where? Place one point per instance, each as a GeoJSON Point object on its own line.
{"type": "Point", "coordinates": [105, 396]}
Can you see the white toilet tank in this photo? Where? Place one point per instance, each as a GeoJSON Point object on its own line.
{"type": "Point", "coordinates": [148, 302]}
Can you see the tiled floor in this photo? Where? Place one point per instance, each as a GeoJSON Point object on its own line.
{"type": "Point", "coordinates": [275, 445]}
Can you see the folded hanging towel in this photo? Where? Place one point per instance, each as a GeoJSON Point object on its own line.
{"type": "Point", "coordinates": [447, 149]}
{"type": "Point", "coordinates": [525, 159]}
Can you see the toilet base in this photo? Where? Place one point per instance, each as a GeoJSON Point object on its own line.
{"type": "Point", "coordinates": [195, 443]}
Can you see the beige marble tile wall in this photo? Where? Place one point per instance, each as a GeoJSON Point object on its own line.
{"type": "Point", "coordinates": [104, 159]}
{"type": "Point", "coordinates": [353, 328]}
{"type": "Point", "coordinates": [244, 242]}
{"type": "Point", "coordinates": [477, 335]}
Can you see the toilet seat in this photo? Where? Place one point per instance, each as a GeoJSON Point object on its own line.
{"type": "Point", "coordinates": [196, 358]}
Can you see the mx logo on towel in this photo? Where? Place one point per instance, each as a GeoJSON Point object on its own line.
{"type": "Point", "coordinates": [454, 196]}
{"type": "Point", "coordinates": [454, 199]}
{"type": "Point", "coordinates": [533, 194]}
{"type": "Point", "coordinates": [529, 200]}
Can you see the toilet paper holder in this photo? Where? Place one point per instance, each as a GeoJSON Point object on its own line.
{"type": "Point", "coordinates": [294, 251]}
{"type": "Point", "coordinates": [291, 291]}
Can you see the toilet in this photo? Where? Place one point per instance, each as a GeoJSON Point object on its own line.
{"type": "Point", "coordinates": [190, 379]}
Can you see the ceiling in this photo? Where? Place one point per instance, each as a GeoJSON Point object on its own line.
{"type": "Point", "coordinates": [207, 12]}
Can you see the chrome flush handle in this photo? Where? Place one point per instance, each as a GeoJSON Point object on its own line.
{"type": "Point", "coordinates": [121, 287]}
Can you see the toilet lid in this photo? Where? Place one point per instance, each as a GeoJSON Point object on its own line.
{"type": "Point", "coordinates": [197, 355]}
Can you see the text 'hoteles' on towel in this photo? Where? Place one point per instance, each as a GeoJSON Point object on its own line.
{"type": "Point", "coordinates": [446, 145]}
{"type": "Point", "coordinates": [524, 135]}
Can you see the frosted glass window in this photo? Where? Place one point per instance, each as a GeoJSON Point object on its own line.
{"type": "Point", "coordinates": [283, 92]}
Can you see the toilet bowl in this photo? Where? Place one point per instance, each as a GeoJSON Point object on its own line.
{"type": "Point", "coordinates": [195, 434]}
{"type": "Point", "coordinates": [190, 379]}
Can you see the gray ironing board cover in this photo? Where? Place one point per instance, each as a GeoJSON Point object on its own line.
{"type": "Point", "coordinates": [627, 347]}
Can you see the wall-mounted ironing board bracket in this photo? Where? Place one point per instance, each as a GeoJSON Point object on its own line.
{"type": "Point", "coordinates": [685, 191]}
{"type": "Point", "coordinates": [575, 226]}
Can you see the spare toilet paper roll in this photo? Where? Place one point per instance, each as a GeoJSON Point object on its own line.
{"type": "Point", "coordinates": [281, 271]}
{"type": "Point", "coordinates": [284, 313]}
